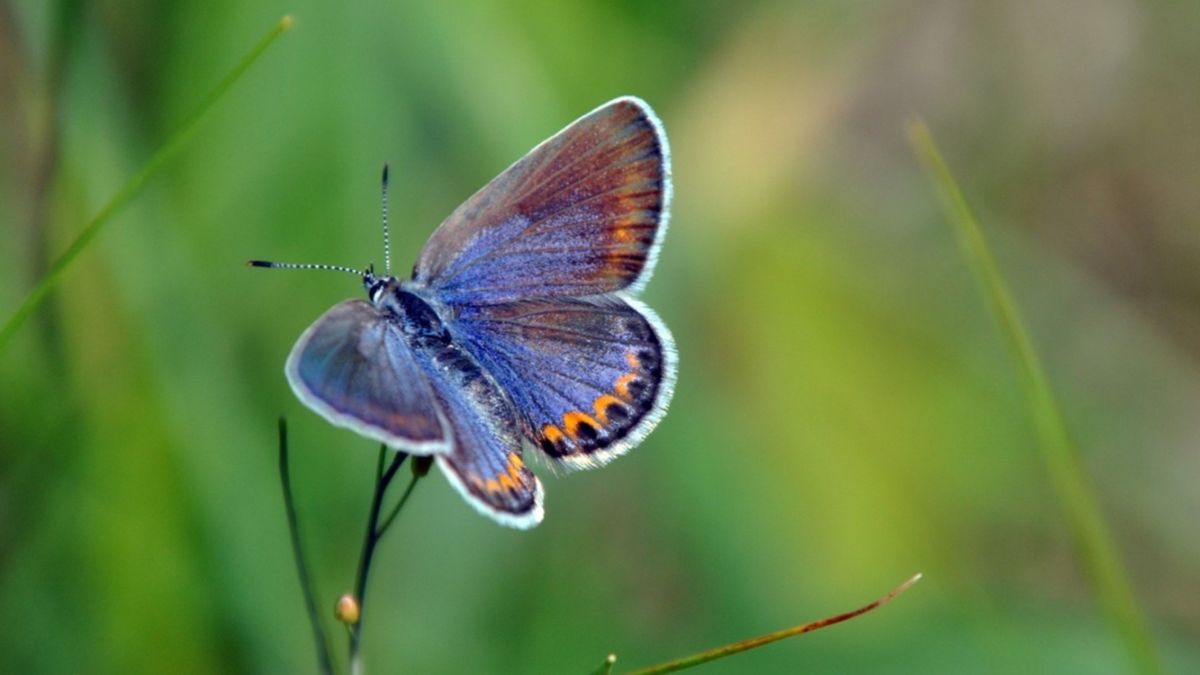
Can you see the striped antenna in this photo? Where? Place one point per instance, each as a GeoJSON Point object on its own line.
{"type": "Point", "coordinates": [387, 244]}
{"type": "Point", "coordinates": [305, 266]}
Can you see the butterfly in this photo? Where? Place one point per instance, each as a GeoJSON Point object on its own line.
{"type": "Point", "coordinates": [520, 327]}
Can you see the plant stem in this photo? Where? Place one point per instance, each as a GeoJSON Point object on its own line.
{"type": "Point", "coordinates": [387, 522]}
{"type": "Point", "coordinates": [323, 660]}
{"type": "Point", "coordinates": [1094, 545]}
{"type": "Point", "coordinates": [135, 184]}
{"type": "Point", "coordinates": [753, 643]}
{"type": "Point", "coordinates": [370, 540]}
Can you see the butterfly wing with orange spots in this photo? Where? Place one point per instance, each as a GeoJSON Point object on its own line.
{"type": "Point", "coordinates": [484, 463]}
{"type": "Point", "coordinates": [589, 377]}
{"type": "Point", "coordinates": [582, 214]}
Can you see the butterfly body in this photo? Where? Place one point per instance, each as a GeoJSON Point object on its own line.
{"type": "Point", "coordinates": [411, 310]}
{"type": "Point", "coordinates": [520, 327]}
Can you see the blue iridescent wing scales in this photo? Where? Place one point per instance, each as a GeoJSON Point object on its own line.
{"type": "Point", "coordinates": [590, 377]}
{"type": "Point", "coordinates": [582, 214]}
{"type": "Point", "coordinates": [485, 462]}
{"type": "Point", "coordinates": [359, 369]}
{"type": "Point", "coordinates": [355, 368]}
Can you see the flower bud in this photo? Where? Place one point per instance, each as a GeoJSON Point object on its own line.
{"type": "Point", "coordinates": [346, 610]}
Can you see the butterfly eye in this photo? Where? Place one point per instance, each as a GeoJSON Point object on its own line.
{"type": "Point", "coordinates": [374, 288]}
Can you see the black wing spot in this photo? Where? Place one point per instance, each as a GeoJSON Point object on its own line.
{"type": "Point", "coordinates": [616, 413]}
{"type": "Point", "coordinates": [650, 361]}
{"type": "Point", "coordinates": [586, 432]}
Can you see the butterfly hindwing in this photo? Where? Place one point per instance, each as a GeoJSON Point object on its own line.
{"type": "Point", "coordinates": [354, 367]}
{"type": "Point", "coordinates": [485, 463]}
{"type": "Point", "coordinates": [590, 377]}
{"type": "Point", "coordinates": [582, 214]}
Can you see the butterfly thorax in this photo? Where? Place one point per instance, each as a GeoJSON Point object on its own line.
{"type": "Point", "coordinates": [413, 313]}
{"type": "Point", "coordinates": [409, 305]}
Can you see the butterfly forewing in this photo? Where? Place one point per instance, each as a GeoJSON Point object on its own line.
{"type": "Point", "coordinates": [582, 214]}
{"type": "Point", "coordinates": [354, 367]}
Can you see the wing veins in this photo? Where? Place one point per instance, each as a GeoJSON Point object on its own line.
{"type": "Point", "coordinates": [609, 310]}
{"type": "Point", "coordinates": [586, 337]}
{"type": "Point", "coordinates": [463, 264]}
{"type": "Point", "coordinates": [560, 249]}
{"type": "Point", "coordinates": [512, 202]}
{"type": "Point", "coordinates": [597, 148]}
{"type": "Point", "coordinates": [513, 287]}
{"type": "Point", "coordinates": [510, 354]}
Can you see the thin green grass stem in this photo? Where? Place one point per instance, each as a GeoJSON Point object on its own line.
{"type": "Point", "coordinates": [1094, 544]}
{"type": "Point", "coordinates": [135, 185]}
{"type": "Point", "coordinates": [324, 663]}
{"type": "Point", "coordinates": [383, 479]}
{"type": "Point", "coordinates": [755, 642]}
{"type": "Point", "coordinates": [391, 516]}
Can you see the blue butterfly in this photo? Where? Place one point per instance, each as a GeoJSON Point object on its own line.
{"type": "Point", "coordinates": [519, 327]}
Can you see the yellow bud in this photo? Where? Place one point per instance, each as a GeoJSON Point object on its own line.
{"type": "Point", "coordinates": [346, 610]}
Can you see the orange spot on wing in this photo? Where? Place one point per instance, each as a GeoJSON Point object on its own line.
{"type": "Point", "coordinates": [632, 360]}
{"type": "Point", "coordinates": [507, 482]}
{"type": "Point", "coordinates": [622, 232]}
{"type": "Point", "coordinates": [601, 406]}
{"type": "Point", "coordinates": [550, 433]}
{"type": "Point", "coordinates": [573, 419]}
{"type": "Point", "coordinates": [492, 485]}
{"type": "Point", "coordinates": [622, 385]}
{"type": "Point", "coordinates": [514, 467]}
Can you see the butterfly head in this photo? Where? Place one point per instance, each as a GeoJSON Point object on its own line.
{"type": "Point", "coordinates": [376, 286]}
{"type": "Point", "coordinates": [373, 284]}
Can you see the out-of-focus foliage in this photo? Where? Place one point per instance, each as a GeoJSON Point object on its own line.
{"type": "Point", "coordinates": [845, 414]}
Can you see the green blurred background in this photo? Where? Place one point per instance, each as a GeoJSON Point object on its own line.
{"type": "Point", "coordinates": [846, 414]}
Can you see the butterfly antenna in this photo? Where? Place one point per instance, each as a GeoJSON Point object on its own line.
{"type": "Point", "coordinates": [304, 266]}
{"type": "Point", "coordinates": [387, 244]}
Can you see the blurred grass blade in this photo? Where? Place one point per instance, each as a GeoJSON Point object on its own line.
{"type": "Point", "coordinates": [753, 643]}
{"type": "Point", "coordinates": [306, 587]}
{"type": "Point", "coordinates": [135, 184]}
{"type": "Point", "coordinates": [1094, 544]}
